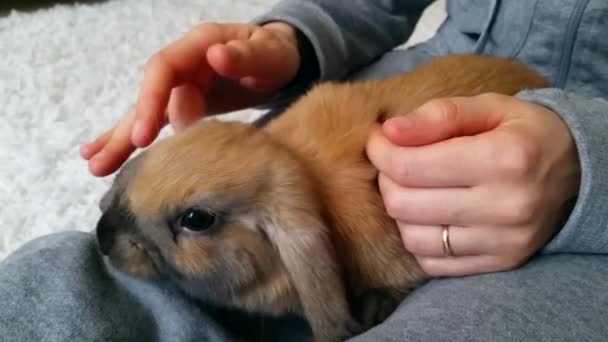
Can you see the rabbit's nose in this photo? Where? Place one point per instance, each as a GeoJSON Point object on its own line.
{"type": "Point", "coordinates": [113, 220]}
{"type": "Point", "coordinates": [105, 234]}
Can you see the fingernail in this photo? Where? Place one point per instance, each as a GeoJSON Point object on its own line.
{"type": "Point", "coordinates": [138, 131]}
{"type": "Point", "coordinates": [95, 169]}
{"type": "Point", "coordinates": [97, 158]}
{"type": "Point", "coordinates": [84, 151]}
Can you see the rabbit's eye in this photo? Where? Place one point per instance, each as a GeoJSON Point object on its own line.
{"type": "Point", "coordinates": [197, 220]}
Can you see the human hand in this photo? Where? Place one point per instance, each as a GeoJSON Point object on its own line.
{"type": "Point", "coordinates": [213, 69]}
{"type": "Point", "coordinates": [493, 169]}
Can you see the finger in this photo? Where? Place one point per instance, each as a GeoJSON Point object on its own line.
{"type": "Point", "coordinates": [486, 205]}
{"type": "Point", "coordinates": [262, 59]}
{"type": "Point", "coordinates": [443, 119]}
{"type": "Point", "coordinates": [116, 151]}
{"type": "Point", "coordinates": [159, 80]}
{"type": "Point", "coordinates": [510, 204]}
{"type": "Point", "coordinates": [174, 65]}
{"type": "Point", "coordinates": [466, 265]}
{"type": "Point", "coordinates": [464, 161]}
{"type": "Point", "coordinates": [427, 241]}
{"type": "Point", "coordinates": [186, 106]}
{"type": "Point", "coordinates": [459, 206]}
{"type": "Point", "coordinates": [87, 151]}
{"type": "Point", "coordinates": [256, 84]}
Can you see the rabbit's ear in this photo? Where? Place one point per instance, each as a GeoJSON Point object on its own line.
{"type": "Point", "coordinates": [304, 246]}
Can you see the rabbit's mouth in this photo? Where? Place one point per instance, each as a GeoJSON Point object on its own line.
{"type": "Point", "coordinates": [137, 245]}
{"type": "Point", "coordinates": [123, 245]}
{"type": "Point", "coordinates": [130, 256]}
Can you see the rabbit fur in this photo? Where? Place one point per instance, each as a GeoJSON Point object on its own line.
{"type": "Point", "coordinates": [291, 215]}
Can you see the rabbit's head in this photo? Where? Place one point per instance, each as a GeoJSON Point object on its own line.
{"type": "Point", "coordinates": [231, 217]}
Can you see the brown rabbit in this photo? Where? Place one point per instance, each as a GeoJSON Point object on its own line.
{"type": "Point", "coordinates": [287, 218]}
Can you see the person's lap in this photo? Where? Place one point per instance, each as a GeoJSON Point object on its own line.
{"type": "Point", "coordinates": [552, 298]}
{"type": "Point", "coordinates": [56, 288]}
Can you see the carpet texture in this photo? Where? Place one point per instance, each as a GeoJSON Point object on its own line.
{"type": "Point", "coordinates": [67, 73]}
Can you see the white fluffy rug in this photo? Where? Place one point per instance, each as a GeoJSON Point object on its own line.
{"type": "Point", "coordinates": [67, 73]}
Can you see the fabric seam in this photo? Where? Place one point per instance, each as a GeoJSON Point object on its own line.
{"type": "Point", "coordinates": [525, 38]}
{"type": "Point", "coordinates": [571, 34]}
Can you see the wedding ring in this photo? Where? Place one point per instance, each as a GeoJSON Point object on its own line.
{"type": "Point", "coordinates": [447, 250]}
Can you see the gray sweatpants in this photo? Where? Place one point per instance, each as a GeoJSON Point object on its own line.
{"type": "Point", "coordinates": [57, 288]}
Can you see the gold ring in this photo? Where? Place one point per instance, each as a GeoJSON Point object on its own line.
{"type": "Point", "coordinates": [447, 250]}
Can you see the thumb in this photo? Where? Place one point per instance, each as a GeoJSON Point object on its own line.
{"type": "Point", "coordinates": [446, 118]}
{"type": "Point", "coordinates": [260, 62]}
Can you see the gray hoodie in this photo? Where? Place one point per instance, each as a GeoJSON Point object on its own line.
{"type": "Point", "coordinates": [562, 39]}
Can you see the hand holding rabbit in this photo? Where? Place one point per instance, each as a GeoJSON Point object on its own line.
{"type": "Point", "coordinates": [495, 170]}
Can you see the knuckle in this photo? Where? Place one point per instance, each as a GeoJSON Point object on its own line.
{"type": "Point", "coordinates": [494, 243]}
{"type": "Point", "coordinates": [525, 207]}
{"type": "Point", "coordinates": [511, 262]}
{"type": "Point", "coordinates": [428, 266]}
{"type": "Point", "coordinates": [393, 203]}
{"type": "Point", "coordinates": [264, 32]}
{"type": "Point", "coordinates": [155, 61]}
{"type": "Point", "coordinates": [518, 159]}
{"type": "Point", "coordinates": [444, 110]}
{"type": "Point", "coordinates": [516, 249]}
{"type": "Point", "coordinates": [411, 240]}
{"type": "Point", "coordinates": [525, 243]}
{"type": "Point", "coordinates": [401, 169]}
{"type": "Point", "coordinates": [493, 97]}
{"type": "Point", "coordinates": [244, 48]}
{"type": "Point", "coordinates": [431, 271]}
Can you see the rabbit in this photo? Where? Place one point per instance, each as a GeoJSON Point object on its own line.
{"type": "Point", "coordinates": [286, 218]}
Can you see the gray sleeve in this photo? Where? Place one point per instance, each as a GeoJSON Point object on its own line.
{"type": "Point", "coordinates": [345, 34]}
{"type": "Point", "coordinates": [586, 227]}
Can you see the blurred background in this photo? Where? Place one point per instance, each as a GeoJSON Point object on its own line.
{"type": "Point", "coordinates": [32, 5]}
